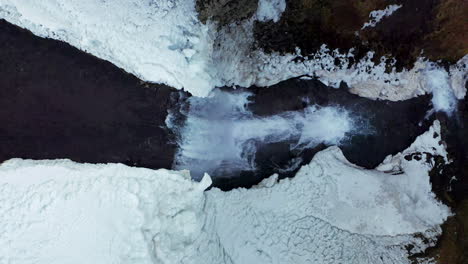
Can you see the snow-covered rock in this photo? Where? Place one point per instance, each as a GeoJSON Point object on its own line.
{"type": "Point", "coordinates": [331, 212]}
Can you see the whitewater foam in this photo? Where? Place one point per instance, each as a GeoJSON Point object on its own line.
{"type": "Point", "coordinates": [220, 134]}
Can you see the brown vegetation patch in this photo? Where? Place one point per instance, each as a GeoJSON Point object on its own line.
{"type": "Point", "coordinates": [449, 39]}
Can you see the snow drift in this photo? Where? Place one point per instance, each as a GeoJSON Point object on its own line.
{"type": "Point", "coordinates": [330, 212]}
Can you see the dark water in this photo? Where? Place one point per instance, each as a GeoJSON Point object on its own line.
{"type": "Point", "coordinates": [58, 102]}
{"type": "Point", "coordinates": [392, 126]}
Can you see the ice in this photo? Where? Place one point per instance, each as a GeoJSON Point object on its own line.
{"type": "Point", "coordinates": [331, 212]}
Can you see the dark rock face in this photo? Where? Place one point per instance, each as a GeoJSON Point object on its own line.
{"type": "Point", "coordinates": [58, 102]}
{"type": "Point", "coordinates": [449, 39]}
{"type": "Point", "coordinates": [402, 35]}
{"type": "Point", "coordinates": [435, 28]}
{"type": "Point", "coordinates": [308, 24]}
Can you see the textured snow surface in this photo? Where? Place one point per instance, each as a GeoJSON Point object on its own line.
{"type": "Point", "coordinates": [163, 41]}
{"type": "Point", "coordinates": [64, 212]}
{"type": "Point", "coordinates": [158, 41]}
{"type": "Point", "coordinates": [330, 212]}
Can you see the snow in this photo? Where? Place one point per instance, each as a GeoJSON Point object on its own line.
{"type": "Point", "coordinates": [331, 212]}
{"type": "Point", "coordinates": [220, 133]}
{"type": "Point", "coordinates": [158, 41]}
{"type": "Point", "coordinates": [459, 77]}
{"type": "Point", "coordinates": [163, 41]}
{"type": "Point", "coordinates": [64, 212]}
{"type": "Point", "coordinates": [239, 63]}
{"type": "Point", "coordinates": [270, 10]}
{"type": "Point", "coordinates": [378, 15]}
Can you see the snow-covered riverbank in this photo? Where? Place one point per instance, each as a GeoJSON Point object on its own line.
{"type": "Point", "coordinates": [331, 211]}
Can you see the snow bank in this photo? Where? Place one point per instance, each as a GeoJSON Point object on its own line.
{"type": "Point", "coordinates": [378, 15]}
{"type": "Point", "coordinates": [221, 135]}
{"type": "Point", "coordinates": [158, 41]}
{"type": "Point", "coordinates": [163, 41]}
{"type": "Point", "coordinates": [64, 212]}
{"type": "Point", "coordinates": [270, 10]}
{"type": "Point", "coordinates": [330, 212]}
